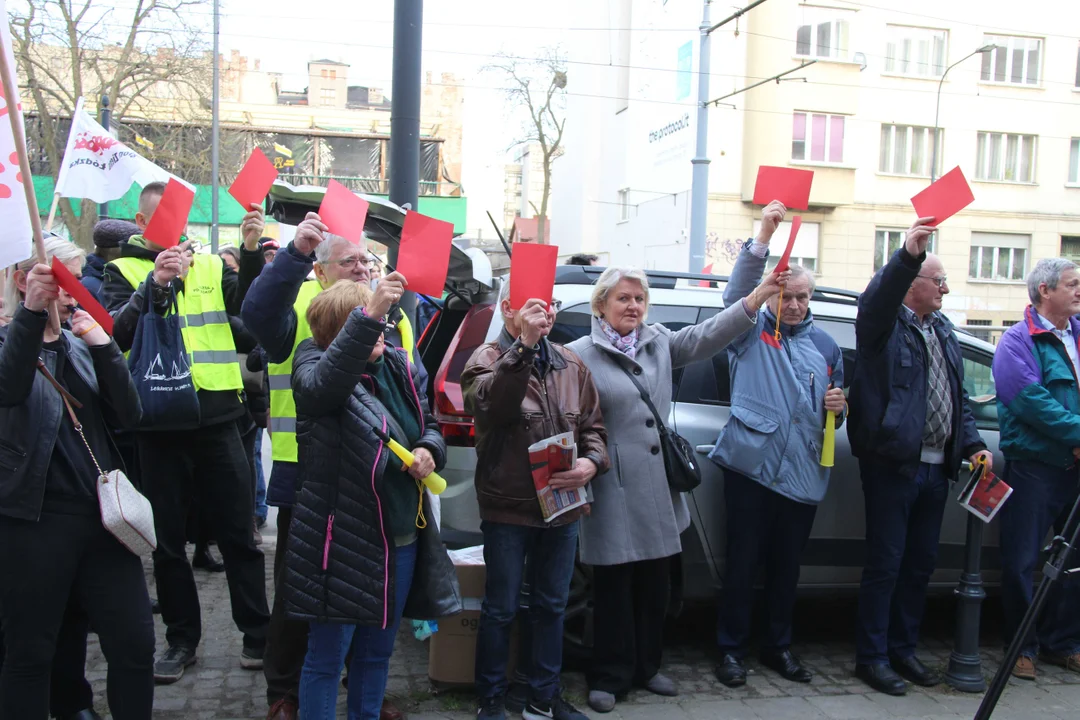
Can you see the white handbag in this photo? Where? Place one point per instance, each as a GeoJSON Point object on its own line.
{"type": "Point", "coordinates": [125, 512]}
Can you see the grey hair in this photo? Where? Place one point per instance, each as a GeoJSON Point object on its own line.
{"type": "Point", "coordinates": [798, 271]}
{"type": "Point", "coordinates": [325, 249]}
{"type": "Point", "coordinates": [1046, 272]}
{"type": "Point", "coordinates": [55, 247]}
{"type": "Point", "coordinates": [609, 279]}
{"type": "Point", "coordinates": [504, 290]}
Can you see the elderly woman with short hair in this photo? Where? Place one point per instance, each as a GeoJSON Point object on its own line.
{"type": "Point", "coordinates": [636, 519]}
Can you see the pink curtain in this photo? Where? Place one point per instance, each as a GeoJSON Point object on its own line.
{"type": "Point", "coordinates": [836, 145]}
{"type": "Point", "coordinates": [817, 139]}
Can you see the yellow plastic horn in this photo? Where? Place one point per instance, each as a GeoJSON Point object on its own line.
{"type": "Point", "coordinates": [828, 445]}
{"type": "Point", "coordinates": [434, 482]}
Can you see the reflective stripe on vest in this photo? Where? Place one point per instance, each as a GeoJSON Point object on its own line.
{"type": "Point", "coordinates": [204, 322]}
{"type": "Point", "coordinates": [282, 407]}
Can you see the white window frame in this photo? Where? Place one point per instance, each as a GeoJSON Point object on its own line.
{"type": "Point", "coordinates": [983, 243]}
{"type": "Point", "coordinates": [814, 17]}
{"type": "Point", "coordinates": [808, 143]}
{"type": "Point", "coordinates": [1073, 178]}
{"type": "Point", "coordinates": [883, 237]}
{"type": "Point", "coordinates": [991, 144]}
{"type": "Point", "coordinates": [895, 38]}
{"type": "Point", "coordinates": [624, 205]}
{"type": "Point", "coordinates": [912, 134]}
{"type": "Point", "coordinates": [327, 97]}
{"type": "Point", "coordinates": [807, 249]}
{"type": "Point", "coordinates": [1005, 52]}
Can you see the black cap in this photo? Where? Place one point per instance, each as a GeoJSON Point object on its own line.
{"type": "Point", "coordinates": [110, 233]}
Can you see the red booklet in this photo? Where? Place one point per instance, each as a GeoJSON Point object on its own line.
{"type": "Point", "coordinates": [547, 457]}
{"type": "Point", "coordinates": [985, 494]}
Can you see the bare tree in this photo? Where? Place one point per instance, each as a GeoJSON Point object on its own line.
{"type": "Point", "coordinates": [149, 60]}
{"type": "Point", "coordinates": [538, 86]}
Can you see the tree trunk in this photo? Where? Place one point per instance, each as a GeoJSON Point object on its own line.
{"type": "Point", "coordinates": [541, 219]}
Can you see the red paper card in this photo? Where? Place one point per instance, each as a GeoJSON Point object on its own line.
{"type": "Point", "coordinates": [796, 223]}
{"type": "Point", "coordinates": [254, 180]}
{"type": "Point", "coordinates": [82, 296]}
{"type": "Point", "coordinates": [424, 253]}
{"type": "Point", "coordinates": [170, 218]}
{"type": "Point", "coordinates": [788, 185]}
{"type": "Point", "coordinates": [344, 213]}
{"type": "Point", "coordinates": [946, 197]}
{"type": "Point", "coordinates": [532, 272]}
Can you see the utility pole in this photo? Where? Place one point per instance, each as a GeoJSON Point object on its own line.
{"type": "Point", "coordinates": [215, 131]}
{"type": "Point", "coordinates": [106, 119]}
{"type": "Point", "coordinates": [405, 117]}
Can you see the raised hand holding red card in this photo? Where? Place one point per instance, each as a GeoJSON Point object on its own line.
{"type": "Point", "coordinates": [170, 218]}
{"type": "Point", "coordinates": [82, 296]}
{"type": "Point", "coordinates": [424, 253]}
{"type": "Point", "coordinates": [532, 272]}
{"type": "Point", "coordinates": [944, 198]}
{"type": "Point", "coordinates": [254, 180]}
{"type": "Point", "coordinates": [788, 185]}
{"type": "Point", "coordinates": [343, 212]}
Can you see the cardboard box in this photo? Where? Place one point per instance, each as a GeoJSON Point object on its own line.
{"type": "Point", "coordinates": [452, 650]}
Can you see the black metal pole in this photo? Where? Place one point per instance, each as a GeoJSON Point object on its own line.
{"type": "Point", "coordinates": [965, 664]}
{"type": "Point", "coordinates": [106, 119]}
{"type": "Point", "coordinates": [405, 117]}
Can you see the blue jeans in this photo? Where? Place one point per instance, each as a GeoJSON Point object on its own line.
{"type": "Point", "coordinates": [550, 552]}
{"type": "Point", "coordinates": [328, 645]}
{"type": "Point", "coordinates": [903, 527]}
{"type": "Point", "coordinates": [261, 509]}
{"type": "Point", "coordinates": [1042, 498]}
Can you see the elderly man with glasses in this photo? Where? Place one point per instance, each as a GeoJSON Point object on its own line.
{"type": "Point", "coordinates": [911, 427]}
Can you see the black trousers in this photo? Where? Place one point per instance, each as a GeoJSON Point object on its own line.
{"type": "Point", "coordinates": [44, 565]}
{"type": "Point", "coordinates": [763, 527]}
{"type": "Point", "coordinates": [208, 463]}
{"type": "Point", "coordinates": [629, 606]}
{"type": "Point", "coordinates": [287, 641]}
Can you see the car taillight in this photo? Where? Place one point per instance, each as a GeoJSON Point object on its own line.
{"type": "Point", "coordinates": [455, 423]}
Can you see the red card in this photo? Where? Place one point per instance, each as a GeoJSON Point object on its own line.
{"type": "Point", "coordinates": [170, 219]}
{"type": "Point", "coordinates": [254, 181]}
{"type": "Point", "coordinates": [707, 270]}
{"type": "Point", "coordinates": [424, 253]}
{"type": "Point", "coordinates": [532, 272]}
{"type": "Point", "coordinates": [796, 223]}
{"type": "Point", "coordinates": [946, 197]}
{"type": "Point", "coordinates": [344, 213]}
{"type": "Point", "coordinates": [788, 185]}
{"type": "Point", "coordinates": [82, 296]}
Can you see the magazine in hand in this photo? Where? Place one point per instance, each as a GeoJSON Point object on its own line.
{"type": "Point", "coordinates": [549, 456]}
{"type": "Point", "coordinates": [985, 494]}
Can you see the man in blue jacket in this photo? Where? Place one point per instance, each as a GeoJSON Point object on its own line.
{"type": "Point", "coordinates": [911, 427]}
{"type": "Point", "coordinates": [1036, 368]}
{"type": "Point", "coordinates": [770, 450]}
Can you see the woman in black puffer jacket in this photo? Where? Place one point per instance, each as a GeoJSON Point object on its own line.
{"type": "Point", "coordinates": [361, 552]}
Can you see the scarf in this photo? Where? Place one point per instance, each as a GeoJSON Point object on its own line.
{"type": "Point", "coordinates": [626, 344]}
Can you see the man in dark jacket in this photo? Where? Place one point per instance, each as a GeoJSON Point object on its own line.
{"type": "Point", "coordinates": [911, 427]}
{"type": "Point", "coordinates": [207, 456]}
{"type": "Point", "coordinates": [109, 235]}
{"type": "Point", "coordinates": [522, 389]}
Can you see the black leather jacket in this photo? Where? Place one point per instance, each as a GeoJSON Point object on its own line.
{"type": "Point", "coordinates": [31, 409]}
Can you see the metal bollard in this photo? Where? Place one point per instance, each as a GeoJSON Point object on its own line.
{"type": "Point", "coordinates": [965, 665]}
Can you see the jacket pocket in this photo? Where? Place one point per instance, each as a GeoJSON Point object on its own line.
{"type": "Point", "coordinates": [745, 439]}
{"type": "Point", "coordinates": [11, 458]}
{"type": "Point", "coordinates": [616, 468]}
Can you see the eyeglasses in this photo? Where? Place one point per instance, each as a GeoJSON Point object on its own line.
{"type": "Point", "coordinates": [939, 281]}
{"type": "Point", "coordinates": [350, 262]}
{"type": "Point", "coordinates": [556, 305]}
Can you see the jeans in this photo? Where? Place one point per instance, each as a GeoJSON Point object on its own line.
{"type": "Point", "coordinates": [551, 552]}
{"type": "Point", "coordinates": [328, 646]}
{"type": "Point", "coordinates": [903, 527]}
{"type": "Point", "coordinates": [1042, 498]}
{"type": "Point", "coordinates": [763, 527]}
{"type": "Point", "coordinates": [261, 510]}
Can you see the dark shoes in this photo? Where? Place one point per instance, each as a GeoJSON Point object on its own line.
{"type": "Point", "coordinates": [204, 560]}
{"type": "Point", "coordinates": [882, 678]}
{"type": "Point", "coordinates": [555, 709]}
{"type": "Point", "coordinates": [913, 670]}
{"type": "Point", "coordinates": [283, 709]}
{"type": "Point", "coordinates": [389, 712]}
{"type": "Point", "coordinates": [171, 665]}
{"type": "Point", "coordinates": [731, 671]}
{"type": "Point", "coordinates": [787, 666]}
{"type": "Point", "coordinates": [491, 709]}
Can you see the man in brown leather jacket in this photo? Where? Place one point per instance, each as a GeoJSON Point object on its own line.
{"type": "Point", "coordinates": [522, 389]}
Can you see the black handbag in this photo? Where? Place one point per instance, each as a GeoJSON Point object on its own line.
{"type": "Point", "coordinates": [683, 472]}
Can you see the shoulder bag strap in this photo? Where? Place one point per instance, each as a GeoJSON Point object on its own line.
{"type": "Point", "coordinates": [69, 400]}
{"type": "Point", "coordinates": [644, 395]}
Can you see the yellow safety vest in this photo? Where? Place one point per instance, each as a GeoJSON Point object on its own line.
{"type": "Point", "coordinates": [282, 405]}
{"type": "Point", "coordinates": [204, 322]}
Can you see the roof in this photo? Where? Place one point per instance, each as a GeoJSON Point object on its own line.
{"type": "Point", "coordinates": [525, 229]}
{"type": "Point", "coordinates": [328, 62]}
{"type": "Point", "coordinates": [360, 96]}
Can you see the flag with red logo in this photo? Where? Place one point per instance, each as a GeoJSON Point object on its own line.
{"type": "Point", "coordinates": [99, 167]}
{"type": "Point", "coordinates": [17, 241]}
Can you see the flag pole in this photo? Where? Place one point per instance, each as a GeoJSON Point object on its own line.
{"type": "Point", "coordinates": [52, 211]}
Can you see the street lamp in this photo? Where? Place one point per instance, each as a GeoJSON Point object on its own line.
{"type": "Point", "coordinates": [937, 111]}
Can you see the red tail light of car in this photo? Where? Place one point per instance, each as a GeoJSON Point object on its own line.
{"type": "Point", "coordinates": [455, 423]}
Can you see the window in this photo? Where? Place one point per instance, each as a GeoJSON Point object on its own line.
{"type": "Point", "coordinates": [887, 241]}
{"type": "Point", "coordinates": [327, 96]}
{"type": "Point", "coordinates": [323, 72]}
{"type": "Point", "coordinates": [908, 150]}
{"type": "Point", "coordinates": [333, 74]}
{"type": "Point", "coordinates": [1074, 161]}
{"type": "Point", "coordinates": [1015, 60]}
{"type": "Point", "coordinates": [1070, 247]}
{"type": "Point", "coordinates": [919, 52]}
{"type": "Point", "coordinates": [983, 335]}
{"type": "Point", "coordinates": [998, 256]}
{"type": "Point", "coordinates": [805, 251]}
{"type": "Point", "coordinates": [624, 204]}
{"type": "Point", "coordinates": [823, 33]}
{"type": "Point", "coordinates": [979, 384]}
{"type": "Point", "coordinates": [1005, 157]}
{"type": "Point", "coordinates": [826, 138]}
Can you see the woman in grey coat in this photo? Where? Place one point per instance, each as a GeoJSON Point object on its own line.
{"type": "Point", "coordinates": [636, 519]}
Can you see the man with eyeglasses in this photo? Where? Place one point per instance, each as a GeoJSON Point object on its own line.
{"type": "Point", "coordinates": [275, 312]}
{"type": "Point", "coordinates": [911, 427]}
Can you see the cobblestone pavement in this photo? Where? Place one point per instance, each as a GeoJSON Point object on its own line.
{"type": "Point", "coordinates": [216, 687]}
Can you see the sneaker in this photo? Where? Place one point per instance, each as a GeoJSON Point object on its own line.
{"type": "Point", "coordinates": [491, 709]}
{"type": "Point", "coordinates": [601, 702]}
{"type": "Point", "coordinates": [171, 665]}
{"type": "Point", "coordinates": [556, 709]}
{"type": "Point", "coordinates": [251, 658]}
{"type": "Point", "coordinates": [203, 559]}
{"type": "Point", "coordinates": [1024, 668]}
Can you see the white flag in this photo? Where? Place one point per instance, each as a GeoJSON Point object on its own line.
{"type": "Point", "coordinates": [16, 240]}
{"type": "Point", "coordinates": [99, 167]}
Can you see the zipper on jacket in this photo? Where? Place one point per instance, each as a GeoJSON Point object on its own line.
{"type": "Point", "coordinates": [329, 537]}
{"type": "Point", "coordinates": [813, 396]}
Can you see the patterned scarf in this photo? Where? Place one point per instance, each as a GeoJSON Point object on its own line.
{"type": "Point", "coordinates": [626, 344]}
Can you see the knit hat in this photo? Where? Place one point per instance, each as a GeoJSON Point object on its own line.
{"type": "Point", "coordinates": [109, 233]}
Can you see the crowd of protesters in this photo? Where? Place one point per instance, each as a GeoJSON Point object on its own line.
{"type": "Point", "coordinates": [308, 341]}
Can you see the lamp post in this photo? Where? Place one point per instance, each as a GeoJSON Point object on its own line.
{"type": "Point", "coordinates": [937, 108]}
